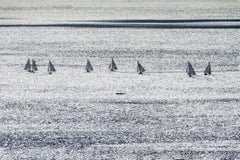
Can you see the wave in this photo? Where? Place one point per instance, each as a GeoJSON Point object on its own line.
{"type": "Point", "coordinates": [176, 101]}
{"type": "Point", "coordinates": [83, 139]}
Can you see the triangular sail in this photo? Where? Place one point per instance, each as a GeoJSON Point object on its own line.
{"type": "Point", "coordinates": [34, 66]}
{"type": "Point", "coordinates": [51, 68]}
{"type": "Point", "coordinates": [88, 67]}
{"type": "Point", "coordinates": [28, 65]}
{"type": "Point", "coordinates": [140, 68]}
{"type": "Point", "coordinates": [208, 70]}
{"type": "Point", "coordinates": [190, 70]}
{"type": "Point", "coordinates": [112, 66]}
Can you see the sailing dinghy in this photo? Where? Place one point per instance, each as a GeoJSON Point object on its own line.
{"type": "Point", "coordinates": [28, 66]}
{"type": "Point", "coordinates": [89, 67]}
{"type": "Point", "coordinates": [34, 65]}
{"type": "Point", "coordinates": [51, 67]}
{"type": "Point", "coordinates": [208, 70]}
{"type": "Point", "coordinates": [140, 68]}
{"type": "Point", "coordinates": [190, 71]}
{"type": "Point", "coordinates": [112, 66]}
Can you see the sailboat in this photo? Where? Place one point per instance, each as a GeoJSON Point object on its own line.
{"type": "Point", "coordinates": [190, 71]}
{"type": "Point", "coordinates": [34, 66]}
{"type": "Point", "coordinates": [51, 68]}
{"type": "Point", "coordinates": [28, 66]}
{"type": "Point", "coordinates": [140, 68]}
{"type": "Point", "coordinates": [112, 66]}
{"type": "Point", "coordinates": [88, 67]}
{"type": "Point", "coordinates": [208, 70]}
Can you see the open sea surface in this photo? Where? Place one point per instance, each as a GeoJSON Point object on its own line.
{"type": "Point", "coordinates": [163, 114]}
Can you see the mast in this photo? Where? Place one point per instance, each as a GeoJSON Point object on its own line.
{"type": "Point", "coordinates": [190, 70]}
{"type": "Point", "coordinates": [112, 66]}
{"type": "Point", "coordinates": [89, 67]}
{"type": "Point", "coordinates": [208, 70]}
{"type": "Point", "coordinates": [140, 68]}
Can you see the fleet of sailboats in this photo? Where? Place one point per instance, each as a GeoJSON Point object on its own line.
{"type": "Point", "coordinates": [31, 67]}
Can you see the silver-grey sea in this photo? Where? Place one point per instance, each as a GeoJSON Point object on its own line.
{"type": "Point", "coordinates": [162, 114]}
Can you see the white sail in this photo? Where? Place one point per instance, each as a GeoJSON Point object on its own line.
{"type": "Point", "coordinates": [140, 68]}
{"type": "Point", "coordinates": [190, 70]}
{"type": "Point", "coordinates": [89, 67]}
{"type": "Point", "coordinates": [208, 70]}
{"type": "Point", "coordinates": [112, 66]}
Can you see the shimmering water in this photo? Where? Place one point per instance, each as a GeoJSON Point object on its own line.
{"type": "Point", "coordinates": [163, 115]}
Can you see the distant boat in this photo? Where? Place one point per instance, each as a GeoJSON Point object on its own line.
{"type": "Point", "coordinates": [140, 68]}
{"type": "Point", "coordinates": [34, 66]}
{"type": "Point", "coordinates": [112, 66]}
{"type": "Point", "coordinates": [208, 70]}
{"type": "Point", "coordinates": [88, 67]}
{"type": "Point", "coordinates": [51, 68]}
{"type": "Point", "coordinates": [28, 66]}
{"type": "Point", "coordinates": [120, 93]}
{"type": "Point", "coordinates": [190, 71]}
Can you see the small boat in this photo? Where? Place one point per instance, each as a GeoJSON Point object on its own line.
{"type": "Point", "coordinates": [34, 65]}
{"type": "Point", "coordinates": [208, 70]}
{"type": "Point", "coordinates": [190, 71]}
{"type": "Point", "coordinates": [112, 66]}
{"type": "Point", "coordinates": [120, 93]}
{"type": "Point", "coordinates": [140, 68]}
{"type": "Point", "coordinates": [28, 66]}
{"type": "Point", "coordinates": [89, 67]}
{"type": "Point", "coordinates": [51, 67]}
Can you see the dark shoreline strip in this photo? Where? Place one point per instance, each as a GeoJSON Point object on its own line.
{"type": "Point", "coordinates": [160, 21]}
{"type": "Point", "coordinates": [140, 26]}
